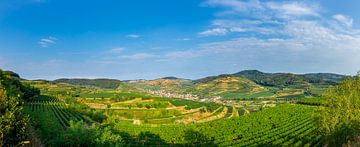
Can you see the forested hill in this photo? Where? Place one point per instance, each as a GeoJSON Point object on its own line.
{"type": "Point", "coordinates": [247, 81]}
{"type": "Point", "coordinates": [285, 79]}
{"type": "Point", "coordinates": [102, 83]}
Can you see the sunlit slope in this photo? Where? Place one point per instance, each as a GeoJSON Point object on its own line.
{"type": "Point", "coordinates": [226, 84]}
{"type": "Point", "coordinates": [168, 84]}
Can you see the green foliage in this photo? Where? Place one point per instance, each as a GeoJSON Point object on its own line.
{"type": "Point", "coordinates": [57, 124]}
{"type": "Point", "coordinates": [12, 120]}
{"type": "Point", "coordinates": [315, 101]}
{"type": "Point", "coordinates": [78, 134]}
{"type": "Point", "coordinates": [340, 119]}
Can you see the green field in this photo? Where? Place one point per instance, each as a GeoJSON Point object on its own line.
{"type": "Point", "coordinates": [73, 115]}
{"type": "Point", "coordinates": [281, 125]}
{"type": "Point", "coordinates": [265, 94]}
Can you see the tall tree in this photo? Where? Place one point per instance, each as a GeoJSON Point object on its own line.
{"type": "Point", "coordinates": [12, 119]}
{"type": "Point", "coordinates": [339, 120]}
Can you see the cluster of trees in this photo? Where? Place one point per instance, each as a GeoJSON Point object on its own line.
{"type": "Point", "coordinates": [13, 122]}
{"type": "Point", "coordinates": [78, 134]}
{"type": "Point", "coordinates": [339, 120]}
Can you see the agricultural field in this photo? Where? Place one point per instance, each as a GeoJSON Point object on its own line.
{"type": "Point", "coordinates": [288, 125]}
{"type": "Point", "coordinates": [99, 116]}
{"type": "Point", "coordinates": [171, 121]}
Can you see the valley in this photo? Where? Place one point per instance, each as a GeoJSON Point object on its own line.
{"type": "Point", "coordinates": [223, 110]}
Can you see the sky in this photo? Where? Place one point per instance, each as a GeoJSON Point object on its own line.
{"type": "Point", "coordinates": [149, 39]}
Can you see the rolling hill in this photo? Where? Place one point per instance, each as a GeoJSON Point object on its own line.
{"type": "Point", "coordinates": [223, 84]}
{"type": "Point", "coordinates": [244, 84]}
{"type": "Point", "coordinates": [168, 84]}
{"type": "Point", "coordinates": [102, 83]}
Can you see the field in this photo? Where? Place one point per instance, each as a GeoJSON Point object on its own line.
{"type": "Point", "coordinates": [286, 124]}
{"type": "Point", "coordinates": [283, 125]}
{"type": "Point", "coordinates": [144, 120]}
{"type": "Point", "coordinates": [265, 94]}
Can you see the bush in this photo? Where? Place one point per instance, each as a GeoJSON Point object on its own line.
{"type": "Point", "coordinates": [78, 134]}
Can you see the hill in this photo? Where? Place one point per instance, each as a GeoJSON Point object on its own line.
{"type": "Point", "coordinates": [102, 83]}
{"type": "Point", "coordinates": [286, 79]}
{"type": "Point", "coordinates": [168, 84]}
{"type": "Point", "coordinates": [244, 84]}
{"type": "Point", "coordinates": [224, 84]}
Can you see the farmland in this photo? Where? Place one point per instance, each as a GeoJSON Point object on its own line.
{"type": "Point", "coordinates": [165, 121]}
{"type": "Point", "coordinates": [95, 116]}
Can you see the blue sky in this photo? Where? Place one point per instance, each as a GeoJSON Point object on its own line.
{"type": "Point", "coordinates": [133, 39]}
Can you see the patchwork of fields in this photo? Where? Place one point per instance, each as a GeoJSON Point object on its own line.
{"type": "Point", "coordinates": [143, 120]}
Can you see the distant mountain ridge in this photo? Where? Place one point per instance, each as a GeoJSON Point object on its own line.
{"type": "Point", "coordinates": [243, 82]}
{"type": "Point", "coordinates": [284, 79]}
{"type": "Point", "coordinates": [101, 82]}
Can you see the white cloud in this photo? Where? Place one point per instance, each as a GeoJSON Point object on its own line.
{"type": "Point", "coordinates": [214, 32]}
{"type": "Point", "coordinates": [183, 39]}
{"type": "Point", "coordinates": [139, 56]}
{"type": "Point", "coordinates": [291, 36]}
{"type": "Point", "coordinates": [46, 42]}
{"type": "Point", "coordinates": [343, 19]}
{"type": "Point", "coordinates": [292, 9]}
{"type": "Point", "coordinates": [283, 34]}
{"type": "Point", "coordinates": [235, 5]}
{"type": "Point", "coordinates": [133, 36]}
{"type": "Point", "coordinates": [240, 26]}
{"type": "Point", "coordinates": [116, 51]}
{"type": "Point", "coordinates": [260, 16]}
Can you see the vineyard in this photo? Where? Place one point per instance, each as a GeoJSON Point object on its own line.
{"type": "Point", "coordinates": [167, 122]}
{"type": "Point", "coordinates": [50, 116]}
{"type": "Point", "coordinates": [288, 125]}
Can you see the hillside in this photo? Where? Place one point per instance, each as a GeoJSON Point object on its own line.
{"type": "Point", "coordinates": [226, 84]}
{"type": "Point", "coordinates": [244, 84]}
{"type": "Point", "coordinates": [168, 84]}
{"type": "Point", "coordinates": [13, 94]}
{"type": "Point", "coordinates": [102, 83]}
{"type": "Point", "coordinates": [286, 79]}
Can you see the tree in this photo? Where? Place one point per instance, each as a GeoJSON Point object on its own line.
{"type": "Point", "coordinates": [13, 122]}
{"type": "Point", "coordinates": [339, 120]}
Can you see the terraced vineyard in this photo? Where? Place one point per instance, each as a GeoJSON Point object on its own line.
{"type": "Point", "coordinates": [288, 125]}
{"type": "Point", "coordinates": [177, 122]}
